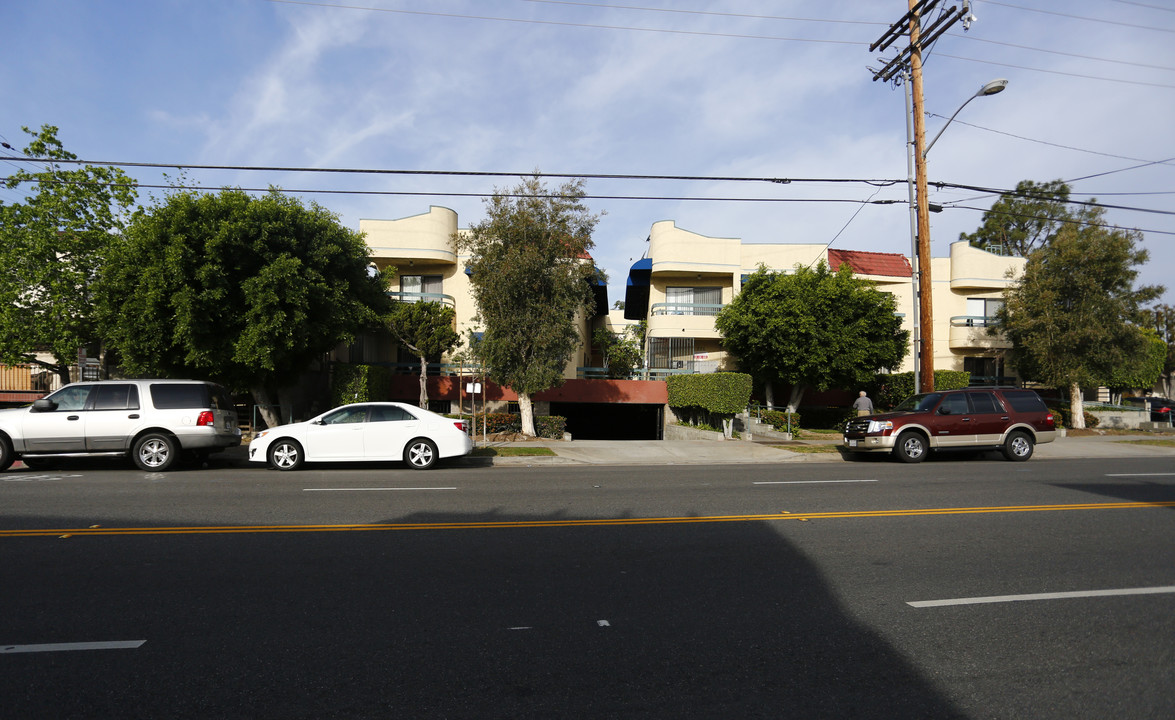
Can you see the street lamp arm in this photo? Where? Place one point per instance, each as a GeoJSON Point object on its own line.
{"type": "Point", "coordinates": [990, 88]}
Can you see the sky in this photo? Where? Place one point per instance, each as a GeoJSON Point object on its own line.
{"type": "Point", "coordinates": [746, 89]}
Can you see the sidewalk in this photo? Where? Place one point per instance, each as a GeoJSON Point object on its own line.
{"type": "Point", "coordinates": [715, 452]}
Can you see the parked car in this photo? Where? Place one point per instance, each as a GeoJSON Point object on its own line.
{"type": "Point", "coordinates": [153, 421]}
{"type": "Point", "coordinates": [379, 431]}
{"type": "Point", "coordinates": [1011, 420]}
{"type": "Point", "coordinates": [1161, 408]}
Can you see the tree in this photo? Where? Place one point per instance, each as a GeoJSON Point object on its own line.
{"type": "Point", "coordinates": [1024, 220]}
{"type": "Point", "coordinates": [1074, 316]}
{"type": "Point", "coordinates": [531, 277]}
{"type": "Point", "coordinates": [621, 351]}
{"type": "Point", "coordinates": [52, 249]}
{"type": "Point", "coordinates": [1143, 373]}
{"type": "Point", "coordinates": [1164, 325]}
{"type": "Point", "coordinates": [245, 290]}
{"type": "Point", "coordinates": [813, 328]}
{"type": "Point", "coordinates": [425, 328]}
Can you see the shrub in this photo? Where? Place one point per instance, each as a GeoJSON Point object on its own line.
{"type": "Point", "coordinates": [359, 383]}
{"type": "Point", "coordinates": [547, 426]}
{"type": "Point", "coordinates": [1058, 417]}
{"type": "Point", "coordinates": [890, 389]}
{"type": "Point", "coordinates": [718, 393]}
{"type": "Point", "coordinates": [778, 419]}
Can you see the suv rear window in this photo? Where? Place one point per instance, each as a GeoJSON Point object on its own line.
{"type": "Point", "coordinates": [1024, 400]}
{"type": "Point", "coordinates": [176, 396]}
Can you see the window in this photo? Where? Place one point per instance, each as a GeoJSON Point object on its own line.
{"type": "Point", "coordinates": [984, 402]}
{"type": "Point", "coordinates": [981, 312]}
{"type": "Point", "coordinates": [172, 397]}
{"type": "Point", "coordinates": [116, 397]}
{"type": "Point", "coordinates": [1024, 400]}
{"type": "Point", "coordinates": [416, 285]}
{"type": "Point", "coordinates": [683, 300]}
{"type": "Point", "coordinates": [954, 405]}
{"type": "Point", "coordinates": [389, 413]}
{"type": "Point", "coordinates": [71, 398]}
{"type": "Point", "coordinates": [346, 416]}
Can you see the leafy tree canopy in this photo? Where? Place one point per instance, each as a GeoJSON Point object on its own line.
{"type": "Point", "coordinates": [425, 328]}
{"type": "Point", "coordinates": [1164, 325]}
{"type": "Point", "coordinates": [52, 248]}
{"type": "Point", "coordinates": [813, 328]}
{"type": "Point", "coordinates": [1024, 220]}
{"type": "Point", "coordinates": [531, 276]}
{"type": "Point", "coordinates": [1074, 318]}
{"type": "Point", "coordinates": [246, 290]}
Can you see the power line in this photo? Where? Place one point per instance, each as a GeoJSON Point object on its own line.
{"type": "Point", "coordinates": [1052, 144]}
{"type": "Point", "coordinates": [1058, 72]}
{"type": "Point", "coordinates": [1059, 52]}
{"type": "Point", "coordinates": [1080, 17]}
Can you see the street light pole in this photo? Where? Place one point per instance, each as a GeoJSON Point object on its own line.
{"type": "Point", "coordinates": [924, 362]}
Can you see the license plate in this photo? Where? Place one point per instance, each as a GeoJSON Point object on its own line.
{"type": "Point", "coordinates": [852, 443]}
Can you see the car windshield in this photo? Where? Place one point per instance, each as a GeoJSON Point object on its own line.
{"type": "Point", "coordinates": [918, 403]}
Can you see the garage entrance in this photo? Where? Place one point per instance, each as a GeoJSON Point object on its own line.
{"type": "Point", "coordinates": [611, 421]}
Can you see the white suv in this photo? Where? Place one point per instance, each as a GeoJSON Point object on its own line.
{"type": "Point", "coordinates": [151, 420]}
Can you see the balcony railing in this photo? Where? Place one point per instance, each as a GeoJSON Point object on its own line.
{"type": "Point", "coordinates": [709, 309]}
{"type": "Point", "coordinates": [974, 321]}
{"type": "Point", "coordinates": [409, 297]}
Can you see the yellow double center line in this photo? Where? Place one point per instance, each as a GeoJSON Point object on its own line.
{"type": "Point", "coordinates": [486, 525]}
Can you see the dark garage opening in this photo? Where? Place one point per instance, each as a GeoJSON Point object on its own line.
{"type": "Point", "coordinates": [610, 421]}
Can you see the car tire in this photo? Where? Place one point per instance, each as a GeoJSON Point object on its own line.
{"type": "Point", "coordinates": [911, 447]}
{"type": "Point", "coordinates": [420, 454]}
{"type": "Point", "coordinates": [285, 454]}
{"type": "Point", "coordinates": [155, 452]}
{"type": "Point", "coordinates": [7, 456]}
{"type": "Point", "coordinates": [1018, 447]}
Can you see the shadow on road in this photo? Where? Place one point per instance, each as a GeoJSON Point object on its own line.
{"type": "Point", "coordinates": [716, 620]}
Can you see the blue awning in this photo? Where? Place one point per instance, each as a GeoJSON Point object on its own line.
{"type": "Point", "coordinates": [636, 291]}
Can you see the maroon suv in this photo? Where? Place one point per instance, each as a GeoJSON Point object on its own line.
{"type": "Point", "coordinates": [1011, 420]}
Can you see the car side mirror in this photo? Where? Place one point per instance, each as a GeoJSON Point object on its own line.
{"type": "Point", "coordinates": [944, 411]}
{"type": "Point", "coordinates": [44, 405]}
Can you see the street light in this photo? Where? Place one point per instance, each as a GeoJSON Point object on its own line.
{"type": "Point", "coordinates": [920, 224]}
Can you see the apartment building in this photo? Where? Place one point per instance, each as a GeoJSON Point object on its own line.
{"type": "Point", "coordinates": [685, 278]}
{"type": "Point", "coordinates": [676, 290]}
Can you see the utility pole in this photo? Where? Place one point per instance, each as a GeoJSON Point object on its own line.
{"type": "Point", "coordinates": [910, 60]}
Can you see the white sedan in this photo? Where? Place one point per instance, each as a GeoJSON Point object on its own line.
{"type": "Point", "coordinates": [377, 431]}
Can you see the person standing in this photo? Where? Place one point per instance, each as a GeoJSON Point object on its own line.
{"type": "Point", "coordinates": [863, 405]}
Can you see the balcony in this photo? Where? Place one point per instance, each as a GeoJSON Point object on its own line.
{"type": "Point", "coordinates": [411, 297]}
{"type": "Point", "coordinates": [969, 332]}
{"type": "Point", "coordinates": [684, 320]}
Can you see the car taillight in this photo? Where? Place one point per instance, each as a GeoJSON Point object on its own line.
{"type": "Point", "coordinates": [206, 418]}
{"type": "Point", "coordinates": [459, 424]}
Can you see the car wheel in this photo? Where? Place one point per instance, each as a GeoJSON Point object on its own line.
{"type": "Point", "coordinates": [7, 457]}
{"type": "Point", "coordinates": [421, 454]}
{"type": "Point", "coordinates": [285, 455]}
{"type": "Point", "coordinates": [155, 452]}
{"type": "Point", "coordinates": [911, 447]}
{"type": "Point", "coordinates": [1018, 446]}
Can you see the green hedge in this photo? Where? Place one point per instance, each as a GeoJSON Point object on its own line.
{"type": "Point", "coordinates": [359, 383]}
{"type": "Point", "coordinates": [547, 426]}
{"type": "Point", "coordinates": [719, 393]}
{"type": "Point", "coordinates": [889, 390]}
{"type": "Point", "coordinates": [778, 419]}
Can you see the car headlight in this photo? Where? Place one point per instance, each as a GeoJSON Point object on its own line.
{"type": "Point", "coordinates": [261, 434]}
{"type": "Point", "coordinates": [876, 426]}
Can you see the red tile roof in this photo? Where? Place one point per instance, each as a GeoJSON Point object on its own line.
{"type": "Point", "coordinates": [871, 263]}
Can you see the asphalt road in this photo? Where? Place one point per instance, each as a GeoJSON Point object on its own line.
{"type": "Point", "coordinates": [970, 589]}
